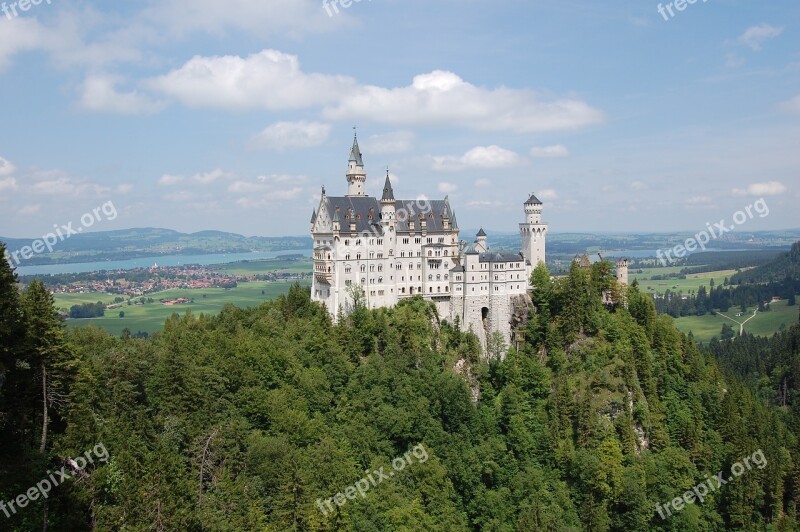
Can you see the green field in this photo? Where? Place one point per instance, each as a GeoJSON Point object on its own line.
{"type": "Point", "coordinates": [764, 324]}
{"type": "Point", "coordinates": [150, 317]}
{"type": "Point", "coordinates": [691, 283]}
{"type": "Point", "coordinates": [266, 266]}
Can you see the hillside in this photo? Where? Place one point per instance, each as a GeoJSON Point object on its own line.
{"type": "Point", "coordinates": [274, 418]}
{"type": "Point", "coordinates": [785, 265]}
{"type": "Point", "coordinates": [148, 242]}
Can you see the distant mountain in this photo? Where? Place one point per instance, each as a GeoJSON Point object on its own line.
{"type": "Point", "coordinates": [144, 242]}
{"type": "Point", "coordinates": [785, 265]}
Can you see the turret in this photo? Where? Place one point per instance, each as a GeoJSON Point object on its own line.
{"type": "Point", "coordinates": [622, 270]}
{"type": "Point", "coordinates": [481, 245]}
{"type": "Point", "coordinates": [387, 202]}
{"type": "Point", "coordinates": [533, 233]}
{"type": "Point", "coordinates": [356, 175]}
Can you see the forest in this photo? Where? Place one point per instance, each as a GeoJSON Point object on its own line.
{"type": "Point", "coordinates": [245, 420]}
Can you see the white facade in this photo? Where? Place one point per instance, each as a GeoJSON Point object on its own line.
{"type": "Point", "coordinates": [395, 249]}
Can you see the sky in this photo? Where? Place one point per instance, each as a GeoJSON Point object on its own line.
{"type": "Point", "coordinates": [231, 115]}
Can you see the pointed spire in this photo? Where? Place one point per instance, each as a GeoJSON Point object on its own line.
{"type": "Point", "coordinates": [314, 216]}
{"type": "Point", "coordinates": [481, 232]}
{"type": "Point", "coordinates": [388, 193]}
{"type": "Point", "coordinates": [336, 215]}
{"type": "Point", "coordinates": [355, 152]}
{"type": "Point", "coordinates": [454, 222]}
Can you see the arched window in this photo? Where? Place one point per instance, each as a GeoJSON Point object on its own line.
{"type": "Point", "coordinates": [430, 277]}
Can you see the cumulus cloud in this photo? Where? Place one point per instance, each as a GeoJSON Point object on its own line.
{"type": "Point", "coordinates": [266, 80]}
{"type": "Point", "coordinates": [6, 168]}
{"type": "Point", "coordinates": [771, 188]}
{"type": "Point", "coordinates": [58, 183]}
{"type": "Point", "coordinates": [443, 98]}
{"type": "Point", "coordinates": [388, 143]}
{"type": "Point", "coordinates": [754, 36]}
{"type": "Point", "coordinates": [478, 157]}
{"type": "Point", "coordinates": [282, 135]}
{"type": "Point", "coordinates": [558, 150]}
{"type": "Point", "coordinates": [100, 94]}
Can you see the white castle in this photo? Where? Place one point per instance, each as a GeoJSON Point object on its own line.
{"type": "Point", "coordinates": [394, 249]}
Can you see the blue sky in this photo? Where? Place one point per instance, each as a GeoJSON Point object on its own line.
{"type": "Point", "coordinates": [230, 115]}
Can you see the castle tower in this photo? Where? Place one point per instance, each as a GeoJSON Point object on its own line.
{"type": "Point", "coordinates": [622, 270]}
{"type": "Point", "coordinates": [387, 202]}
{"type": "Point", "coordinates": [356, 175]}
{"type": "Point", "coordinates": [481, 246]}
{"type": "Point", "coordinates": [533, 233]}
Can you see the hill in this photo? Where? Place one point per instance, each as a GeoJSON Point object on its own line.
{"type": "Point", "coordinates": [785, 265]}
{"type": "Point", "coordinates": [148, 242]}
{"type": "Point", "coordinates": [275, 418]}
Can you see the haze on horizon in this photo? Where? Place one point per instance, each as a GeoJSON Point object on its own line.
{"type": "Point", "coordinates": [230, 116]}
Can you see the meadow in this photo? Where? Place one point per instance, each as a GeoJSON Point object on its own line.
{"type": "Point", "coordinates": [150, 317]}
{"type": "Point", "coordinates": [763, 324]}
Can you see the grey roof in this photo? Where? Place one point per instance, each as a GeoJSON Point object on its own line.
{"type": "Point", "coordinates": [533, 200]}
{"type": "Point", "coordinates": [367, 213]}
{"type": "Point", "coordinates": [493, 256]}
{"type": "Point", "coordinates": [388, 193]}
{"type": "Point", "coordinates": [454, 222]}
{"type": "Point", "coordinates": [355, 153]}
{"type": "Point", "coordinates": [481, 232]}
{"type": "Point", "coordinates": [314, 216]}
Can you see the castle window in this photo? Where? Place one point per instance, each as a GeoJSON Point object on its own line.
{"type": "Point", "coordinates": [372, 267]}
{"type": "Point", "coordinates": [380, 267]}
{"type": "Point", "coordinates": [391, 253]}
{"type": "Point", "coordinates": [405, 241]}
{"type": "Point", "coordinates": [429, 253]}
{"type": "Point", "coordinates": [347, 257]}
{"type": "Point", "coordinates": [438, 277]}
{"type": "Point", "coordinates": [363, 268]}
{"type": "Point", "coordinates": [363, 281]}
{"type": "Point", "coordinates": [430, 277]}
{"type": "Point", "coordinates": [347, 269]}
{"type": "Point", "coordinates": [358, 256]}
{"type": "Point", "coordinates": [380, 280]}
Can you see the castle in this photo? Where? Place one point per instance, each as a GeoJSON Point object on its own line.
{"type": "Point", "coordinates": [394, 249]}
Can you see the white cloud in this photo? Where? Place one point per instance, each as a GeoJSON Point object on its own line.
{"type": "Point", "coordinates": [6, 168]}
{"type": "Point", "coordinates": [771, 188]}
{"type": "Point", "coordinates": [558, 150]}
{"type": "Point", "coordinates": [266, 80]}
{"type": "Point", "coordinates": [484, 204]}
{"type": "Point", "coordinates": [56, 183]}
{"type": "Point", "coordinates": [100, 94]}
{"type": "Point", "coordinates": [9, 183]}
{"type": "Point", "coordinates": [547, 194]}
{"type": "Point", "coordinates": [483, 183]}
{"type": "Point", "coordinates": [30, 209]}
{"type": "Point", "coordinates": [247, 187]}
{"type": "Point", "coordinates": [124, 188]}
{"type": "Point", "coordinates": [792, 106]}
{"type": "Point", "coordinates": [755, 35]}
{"type": "Point", "coordinates": [169, 180]}
{"type": "Point", "coordinates": [447, 188]}
{"type": "Point", "coordinates": [388, 143]}
{"type": "Point", "coordinates": [443, 98]}
{"type": "Point", "coordinates": [282, 135]}
{"type": "Point", "coordinates": [478, 157]}
{"type": "Point", "coordinates": [270, 198]}
{"type": "Point", "coordinates": [210, 177]}
{"type": "Point", "coordinates": [19, 35]}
